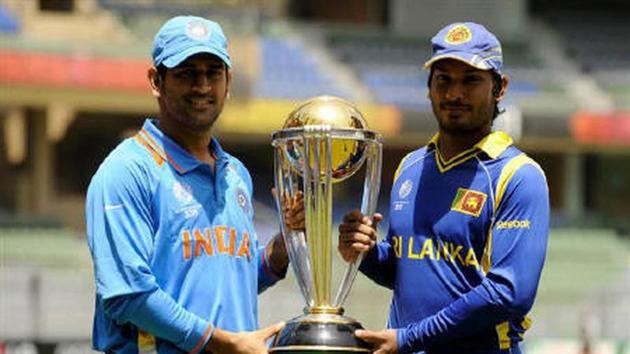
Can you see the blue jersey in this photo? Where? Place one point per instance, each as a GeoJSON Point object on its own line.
{"type": "Point", "coordinates": [465, 248]}
{"type": "Point", "coordinates": [174, 247]}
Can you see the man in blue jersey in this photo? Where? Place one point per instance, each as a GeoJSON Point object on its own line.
{"type": "Point", "coordinates": [469, 217]}
{"type": "Point", "coordinates": [177, 262]}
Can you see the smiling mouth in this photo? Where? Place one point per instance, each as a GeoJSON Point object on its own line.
{"type": "Point", "coordinates": [200, 102]}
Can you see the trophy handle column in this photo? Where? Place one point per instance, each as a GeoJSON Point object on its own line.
{"type": "Point", "coordinates": [371, 188]}
{"type": "Point", "coordinates": [295, 241]}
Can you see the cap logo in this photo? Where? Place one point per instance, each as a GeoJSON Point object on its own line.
{"type": "Point", "coordinates": [459, 34]}
{"type": "Point", "coordinates": [197, 30]}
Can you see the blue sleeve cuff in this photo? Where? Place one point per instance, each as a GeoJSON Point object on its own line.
{"type": "Point", "coordinates": [377, 265]}
{"type": "Point", "coordinates": [266, 275]}
{"type": "Point", "coordinates": [158, 314]}
{"type": "Point", "coordinates": [199, 337]}
{"type": "Point", "coordinates": [401, 338]}
{"type": "Point", "coordinates": [407, 343]}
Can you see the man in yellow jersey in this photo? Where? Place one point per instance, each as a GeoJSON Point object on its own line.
{"type": "Point", "coordinates": [469, 217]}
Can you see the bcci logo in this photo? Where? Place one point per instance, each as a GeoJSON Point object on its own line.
{"type": "Point", "coordinates": [459, 34]}
{"type": "Point", "coordinates": [182, 192]}
{"type": "Point", "coordinates": [241, 200]}
{"type": "Point", "coordinates": [405, 189]}
{"type": "Point", "coordinates": [197, 30]}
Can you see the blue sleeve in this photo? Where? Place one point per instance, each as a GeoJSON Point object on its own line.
{"type": "Point", "coordinates": [120, 230]}
{"type": "Point", "coordinates": [378, 264]}
{"type": "Point", "coordinates": [157, 313]}
{"type": "Point", "coordinates": [266, 275]}
{"type": "Point", "coordinates": [518, 246]}
{"type": "Point", "coordinates": [120, 236]}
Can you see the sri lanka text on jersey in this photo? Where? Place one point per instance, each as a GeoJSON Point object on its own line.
{"type": "Point", "coordinates": [434, 250]}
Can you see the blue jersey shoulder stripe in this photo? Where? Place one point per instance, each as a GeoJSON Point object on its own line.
{"type": "Point", "coordinates": [508, 171]}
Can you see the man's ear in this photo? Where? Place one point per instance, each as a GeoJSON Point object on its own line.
{"type": "Point", "coordinates": [155, 81]}
{"type": "Point", "coordinates": [228, 84]}
{"type": "Point", "coordinates": [503, 89]}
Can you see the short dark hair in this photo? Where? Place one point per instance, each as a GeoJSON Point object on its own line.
{"type": "Point", "coordinates": [161, 71]}
{"type": "Point", "coordinates": [496, 90]}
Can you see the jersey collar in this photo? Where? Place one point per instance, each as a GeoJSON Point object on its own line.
{"type": "Point", "coordinates": [493, 144]}
{"type": "Point", "coordinates": [169, 150]}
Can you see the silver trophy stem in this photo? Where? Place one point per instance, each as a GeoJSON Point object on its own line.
{"type": "Point", "coordinates": [295, 241]}
{"type": "Point", "coordinates": [371, 186]}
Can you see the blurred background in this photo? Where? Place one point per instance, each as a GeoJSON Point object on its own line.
{"type": "Point", "coordinates": [73, 85]}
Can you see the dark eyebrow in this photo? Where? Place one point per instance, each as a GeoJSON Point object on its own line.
{"type": "Point", "coordinates": [184, 65]}
{"type": "Point", "coordinates": [437, 68]}
{"type": "Point", "coordinates": [216, 66]}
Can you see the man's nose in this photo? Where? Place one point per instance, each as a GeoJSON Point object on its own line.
{"type": "Point", "coordinates": [202, 83]}
{"type": "Point", "coordinates": [455, 92]}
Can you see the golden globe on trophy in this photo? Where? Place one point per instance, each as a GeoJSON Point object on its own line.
{"type": "Point", "coordinates": [323, 142]}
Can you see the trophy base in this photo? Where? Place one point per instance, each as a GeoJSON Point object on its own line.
{"type": "Point", "coordinates": [320, 333]}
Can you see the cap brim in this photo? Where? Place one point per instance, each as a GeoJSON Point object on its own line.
{"type": "Point", "coordinates": [180, 57]}
{"type": "Point", "coordinates": [463, 57]}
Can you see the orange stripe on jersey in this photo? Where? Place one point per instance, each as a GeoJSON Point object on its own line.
{"type": "Point", "coordinates": [145, 134]}
{"type": "Point", "coordinates": [202, 341]}
{"type": "Point", "coordinates": [160, 151]}
{"type": "Point", "coordinates": [158, 159]}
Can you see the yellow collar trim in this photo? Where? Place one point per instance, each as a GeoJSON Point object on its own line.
{"type": "Point", "coordinates": [493, 144]}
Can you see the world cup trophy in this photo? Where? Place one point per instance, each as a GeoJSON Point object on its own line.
{"type": "Point", "coordinates": [323, 142]}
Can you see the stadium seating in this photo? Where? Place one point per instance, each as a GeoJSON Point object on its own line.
{"type": "Point", "coordinates": [598, 42]}
{"type": "Point", "coordinates": [391, 67]}
{"type": "Point", "coordinates": [8, 22]}
{"type": "Point", "coordinates": [289, 72]}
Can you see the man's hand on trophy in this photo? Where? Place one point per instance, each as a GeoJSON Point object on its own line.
{"type": "Point", "coordinates": [242, 342]}
{"type": "Point", "coordinates": [357, 233]}
{"type": "Point", "coordinates": [294, 219]}
{"type": "Point", "coordinates": [385, 341]}
{"type": "Point", "coordinates": [293, 209]}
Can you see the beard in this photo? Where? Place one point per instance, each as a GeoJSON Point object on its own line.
{"type": "Point", "coordinates": [465, 122]}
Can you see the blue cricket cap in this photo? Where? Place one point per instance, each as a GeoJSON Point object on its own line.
{"type": "Point", "coordinates": [470, 43]}
{"type": "Point", "coordinates": [184, 36]}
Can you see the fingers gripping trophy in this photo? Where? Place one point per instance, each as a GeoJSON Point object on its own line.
{"type": "Point", "coordinates": [323, 142]}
